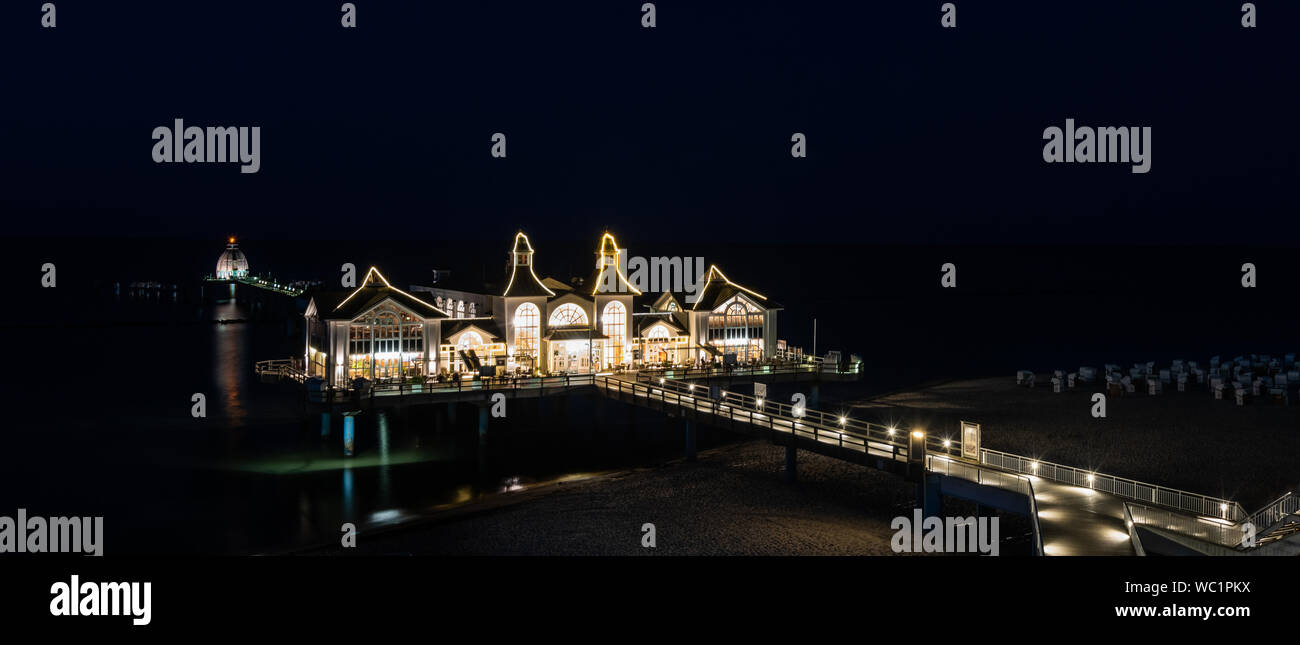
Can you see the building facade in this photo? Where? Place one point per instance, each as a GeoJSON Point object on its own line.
{"type": "Point", "coordinates": [534, 325]}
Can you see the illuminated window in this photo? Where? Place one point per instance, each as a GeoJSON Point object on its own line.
{"type": "Point", "coordinates": [568, 315]}
{"type": "Point", "coordinates": [468, 340]}
{"type": "Point", "coordinates": [737, 326]}
{"type": "Point", "coordinates": [527, 323]}
{"type": "Point", "coordinates": [614, 320]}
{"type": "Point", "coordinates": [656, 350]}
{"type": "Point", "coordinates": [672, 305]}
{"type": "Point", "coordinates": [614, 325]}
{"type": "Point", "coordinates": [384, 343]}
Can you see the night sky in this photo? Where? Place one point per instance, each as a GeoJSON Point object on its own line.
{"type": "Point", "coordinates": [916, 134]}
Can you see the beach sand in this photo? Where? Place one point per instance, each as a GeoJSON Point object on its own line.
{"type": "Point", "coordinates": [732, 501]}
{"type": "Point", "coordinates": [1183, 440]}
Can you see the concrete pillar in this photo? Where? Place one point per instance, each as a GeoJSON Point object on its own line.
{"type": "Point", "coordinates": [791, 462]}
{"type": "Point", "coordinates": [814, 397]}
{"type": "Point", "coordinates": [929, 497]}
{"type": "Point", "coordinates": [325, 424]}
{"type": "Point", "coordinates": [451, 414]}
{"type": "Point", "coordinates": [349, 434]}
{"type": "Point", "coordinates": [690, 441]}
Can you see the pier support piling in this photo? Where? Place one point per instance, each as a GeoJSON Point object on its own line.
{"type": "Point", "coordinates": [814, 397]}
{"type": "Point", "coordinates": [928, 496]}
{"type": "Point", "coordinates": [690, 441]}
{"type": "Point", "coordinates": [325, 424]}
{"type": "Point", "coordinates": [349, 434]}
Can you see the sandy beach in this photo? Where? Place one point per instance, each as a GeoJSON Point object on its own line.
{"type": "Point", "coordinates": [1183, 440]}
{"type": "Point", "coordinates": [732, 501]}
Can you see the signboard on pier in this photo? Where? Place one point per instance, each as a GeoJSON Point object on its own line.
{"type": "Point", "coordinates": [970, 440]}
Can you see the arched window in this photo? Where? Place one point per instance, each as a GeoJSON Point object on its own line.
{"type": "Point", "coordinates": [672, 305]}
{"type": "Point", "coordinates": [468, 340]}
{"type": "Point", "coordinates": [460, 309]}
{"type": "Point", "coordinates": [568, 315]}
{"type": "Point", "coordinates": [527, 322]}
{"type": "Point", "coordinates": [614, 320]}
{"type": "Point", "coordinates": [737, 327]}
{"type": "Point", "coordinates": [613, 324]}
{"type": "Point", "coordinates": [742, 330]}
{"type": "Point", "coordinates": [656, 351]}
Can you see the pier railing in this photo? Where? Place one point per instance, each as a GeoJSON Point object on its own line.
{"type": "Point", "coordinates": [651, 374]}
{"type": "Point", "coordinates": [1214, 530]}
{"type": "Point", "coordinates": [1204, 505]}
{"type": "Point", "coordinates": [280, 368]}
{"type": "Point", "coordinates": [1275, 511]}
{"type": "Point", "coordinates": [1206, 529]}
{"type": "Point", "coordinates": [828, 422]}
{"type": "Point", "coordinates": [503, 384]}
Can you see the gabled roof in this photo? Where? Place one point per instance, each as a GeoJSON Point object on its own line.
{"type": "Point", "coordinates": [719, 289]}
{"type": "Point", "coordinates": [486, 327]}
{"type": "Point", "coordinates": [576, 297]}
{"type": "Point", "coordinates": [557, 286]}
{"type": "Point", "coordinates": [663, 300]}
{"type": "Point", "coordinates": [646, 322]}
{"type": "Point", "coordinates": [522, 283]}
{"type": "Point", "coordinates": [321, 302]}
{"type": "Point", "coordinates": [374, 289]}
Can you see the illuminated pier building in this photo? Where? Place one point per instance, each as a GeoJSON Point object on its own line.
{"type": "Point", "coordinates": [232, 263]}
{"type": "Point", "coordinates": [535, 325]}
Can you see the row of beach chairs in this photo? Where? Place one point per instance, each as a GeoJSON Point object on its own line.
{"type": "Point", "coordinates": [1244, 378]}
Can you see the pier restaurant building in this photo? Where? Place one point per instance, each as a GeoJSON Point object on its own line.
{"type": "Point", "coordinates": [535, 325]}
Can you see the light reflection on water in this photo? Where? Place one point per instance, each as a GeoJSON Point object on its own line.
{"type": "Point", "coordinates": [230, 364]}
{"type": "Point", "coordinates": [385, 477]}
